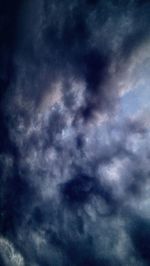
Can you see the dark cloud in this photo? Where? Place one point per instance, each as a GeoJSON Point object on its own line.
{"type": "Point", "coordinates": [74, 172]}
{"type": "Point", "coordinates": [80, 189]}
{"type": "Point", "coordinates": [8, 37]}
{"type": "Point", "coordinates": [140, 236]}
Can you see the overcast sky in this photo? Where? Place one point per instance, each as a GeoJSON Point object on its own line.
{"type": "Point", "coordinates": [74, 133]}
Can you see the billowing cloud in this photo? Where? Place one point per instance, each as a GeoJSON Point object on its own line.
{"type": "Point", "coordinates": [74, 149]}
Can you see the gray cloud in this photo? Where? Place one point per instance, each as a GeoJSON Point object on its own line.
{"type": "Point", "coordinates": [74, 171]}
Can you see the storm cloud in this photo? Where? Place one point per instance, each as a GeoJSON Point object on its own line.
{"type": "Point", "coordinates": [74, 133]}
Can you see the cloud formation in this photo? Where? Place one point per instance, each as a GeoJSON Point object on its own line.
{"type": "Point", "coordinates": [74, 153]}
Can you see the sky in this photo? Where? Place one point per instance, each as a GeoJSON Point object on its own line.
{"type": "Point", "coordinates": [74, 133]}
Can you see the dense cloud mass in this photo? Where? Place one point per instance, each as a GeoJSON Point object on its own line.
{"type": "Point", "coordinates": [74, 133]}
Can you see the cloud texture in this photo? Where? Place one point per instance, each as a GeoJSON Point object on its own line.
{"type": "Point", "coordinates": [75, 133]}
